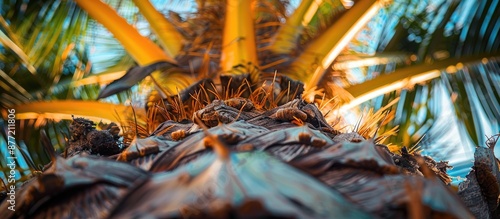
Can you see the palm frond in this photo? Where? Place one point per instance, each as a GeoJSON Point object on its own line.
{"type": "Point", "coordinates": [407, 77]}
{"type": "Point", "coordinates": [169, 37]}
{"type": "Point", "coordinates": [445, 35]}
{"type": "Point", "coordinates": [288, 35]}
{"type": "Point", "coordinates": [142, 49]}
{"type": "Point", "coordinates": [59, 110]}
{"type": "Point", "coordinates": [323, 50]}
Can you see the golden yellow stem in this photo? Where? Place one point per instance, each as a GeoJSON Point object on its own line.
{"type": "Point", "coordinates": [101, 79]}
{"type": "Point", "coordinates": [405, 77]}
{"type": "Point", "coordinates": [310, 66]}
{"type": "Point", "coordinates": [143, 50]}
{"type": "Point", "coordinates": [357, 61]}
{"type": "Point", "coordinates": [239, 36]}
{"type": "Point", "coordinates": [286, 38]}
{"type": "Point", "coordinates": [64, 109]}
{"type": "Point", "coordinates": [169, 37]}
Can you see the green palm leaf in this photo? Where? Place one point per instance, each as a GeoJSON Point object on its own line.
{"type": "Point", "coordinates": [457, 37]}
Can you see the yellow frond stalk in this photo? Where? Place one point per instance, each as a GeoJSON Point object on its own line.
{"type": "Point", "coordinates": [239, 47]}
{"type": "Point", "coordinates": [404, 78]}
{"type": "Point", "coordinates": [357, 61]}
{"type": "Point", "coordinates": [101, 79]}
{"type": "Point", "coordinates": [143, 50]}
{"type": "Point", "coordinates": [286, 38]}
{"type": "Point", "coordinates": [320, 54]}
{"type": "Point", "coordinates": [170, 39]}
{"type": "Point", "coordinates": [64, 109]}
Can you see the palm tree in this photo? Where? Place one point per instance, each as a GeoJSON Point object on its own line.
{"type": "Point", "coordinates": [323, 45]}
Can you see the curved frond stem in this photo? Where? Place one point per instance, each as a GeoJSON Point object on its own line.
{"type": "Point", "coordinates": [101, 79]}
{"type": "Point", "coordinates": [351, 62]}
{"type": "Point", "coordinates": [405, 77]}
{"type": "Point", "coordinates": [169, 37]}
{"type": "Point", "coordinates": [319, 55]}
{"type": "Point", "coordinates": [65, 109]}
{"type": "Point", "coordinates": [288, 34]}
{"type": "Point", "coordinates": [143, 50]}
